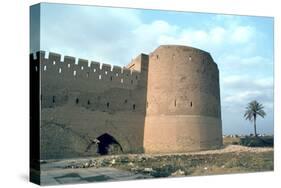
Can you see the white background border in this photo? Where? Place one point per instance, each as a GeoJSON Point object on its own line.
{"type": "Point", "coordinates": [14, 90]}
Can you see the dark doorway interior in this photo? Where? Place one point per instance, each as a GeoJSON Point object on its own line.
{"type": "Point", "coordinates": [108, 145]}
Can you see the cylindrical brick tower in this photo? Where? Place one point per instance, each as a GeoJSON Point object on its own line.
{"type": "Point", "coordinates": [183, 101]}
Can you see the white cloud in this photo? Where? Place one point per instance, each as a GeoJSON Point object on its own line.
{"type": "Point", "coordinates": [114, 36]}
{"type": "Point", "coordinates": [242, 34]}
{"type": "Point", "coordinates": [243, 96]}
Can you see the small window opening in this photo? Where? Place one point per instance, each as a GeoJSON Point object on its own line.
{"type": "Point", "coordinates": [82, 67]}
{"type": "Point", "coordinates": [59, 70]}
{"type": "Point", "coordinates": [136, 77]}
{"type": "Point", "coordinates": [77, 101]}
{"type": "Point", "coordinates": [125, 101]}
{"type": "Point", "coordinates": [117, 74]}
{"type": "Point", "coordinates": [110, 78]}
{"type": "Point", "coordinates": [121, 80]}
{"type": "Point", "coordinates": [54, 99]}
{"type": "Point", "coordinates": [68, 65]}
{"type": "Point", "coordinates": [99, 77]}
{"type": "Point", "coordinates": [45, 68]}
{"type": "Point", "coordinates": [189, 58]}
{"type": "Point", "coordinates": [157, 56]}
{"type": "Point", "coordinates": [191, 104]}
{"type": "Point", "coordinates": [107, 104]}
{"type": "Point", "coordinates": [134, 106]}
{"type": "Point", "coordinates": [175, 102]}
{"type": "Point", "coordinates": [105, 72]}
{"type": "Point", "coordinates": [74, 73]}
{"type": "Point", "coordinates": [95, 70]}
{"type": "Point", "coordinates": [88, 102]}
{"type": "Point", "coordinates": [36, 68]}
{"type": "Point", "coordinates": [54, 62]}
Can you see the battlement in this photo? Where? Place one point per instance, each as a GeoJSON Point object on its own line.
{"type": "Point", "coordinates": [71, 68]}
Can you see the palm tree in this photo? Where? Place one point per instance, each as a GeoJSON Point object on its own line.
{"type": "Point", "coordinates": [253, 110]}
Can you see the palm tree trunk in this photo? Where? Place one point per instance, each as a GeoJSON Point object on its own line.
{"type": "Point", "coordinates": [255, 127]}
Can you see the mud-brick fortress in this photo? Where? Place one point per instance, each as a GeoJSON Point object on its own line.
{"type": "Point", "coordinates": [164, 102]}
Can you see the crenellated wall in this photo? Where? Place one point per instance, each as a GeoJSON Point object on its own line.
{"type": "Point", "coordinates": [90, 99]}
{"type": "Point", "coordinates": [167, 101]}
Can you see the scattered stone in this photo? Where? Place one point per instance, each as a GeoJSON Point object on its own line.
{"type": "Point", "coordinates": [205, 168]}
{"type": "Point", "coordinates": [147, 169]}
{"type": "Point", "coordinates": [178, 173]}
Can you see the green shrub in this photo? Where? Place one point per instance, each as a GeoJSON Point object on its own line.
{"type": "Point", "coordinates": [257, 141]}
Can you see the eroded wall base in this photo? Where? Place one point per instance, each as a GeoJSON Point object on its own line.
{"type": "Point", "coordinates": [66, 131]}
{"type": "Point", "coordinates": [182, 133]}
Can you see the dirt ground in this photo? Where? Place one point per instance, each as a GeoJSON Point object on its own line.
{"type": "Point", "coordinates": [230, 159]}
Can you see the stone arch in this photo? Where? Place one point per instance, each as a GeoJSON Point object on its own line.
{"type": "Point", "coordinates": [107, 144]}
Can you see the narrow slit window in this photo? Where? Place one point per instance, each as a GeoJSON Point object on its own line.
{"type": "Point", "coordinates": [82, 67]}
{"type": "Point", "coordinates": [125, 101]}
{"type": "Point", "coordinates": [95, 70]}
{"type": "Point", "coordinates": [175, 103]}
{"type": "Point", "coordinates": [88, 102]}
{"type": "Point", "coordinates": [68, 65]}
{"type": "Point", "coordinates": [54, 62]}
{"type": "Point", "coordinates": [134, 106]}
{"type": "Point", "coordinates": [191, 104]}
{"type": "Point", "coordinates": [117, 74]}
{"type": "Point", "coordinates": [121, 80]}
{"type": "Point", "coordinates": [136, 77]}
{"type": "Point", "coordinates": [54, 99]}
{"type": "Point", "coordinates": [36, 68]}
{"type": "Point", "coordinates": [74, 73]}
{"type": "Point", "coordinates": [111, 78]}
{"type": "Point", "coordinates": [107, 104]}
{"type": "Point", "coordinates": [105, 72]}
{"type": "Point", "coordinates": [59, 70]}
{"type": "Point", "coordinates": [45, 68]}
{"type": "Point", "coordinates": [77, 101]}
{"type": "Point", "coordinates": [99, 77]}
{"type": "Point", "coordinates": [189, 58]}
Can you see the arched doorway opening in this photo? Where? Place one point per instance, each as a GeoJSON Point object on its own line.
{"type": "Point", "coordinates": [108, 145]}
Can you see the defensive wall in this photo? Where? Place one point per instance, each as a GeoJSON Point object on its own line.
{"type": "Point", "coordinates": [167, 101]}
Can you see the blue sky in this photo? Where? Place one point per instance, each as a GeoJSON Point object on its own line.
{"type": "Point", "coordinates": [242, 46]}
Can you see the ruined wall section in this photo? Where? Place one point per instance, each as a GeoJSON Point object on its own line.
{"type": "Point", "coordinates": [84, 100]}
